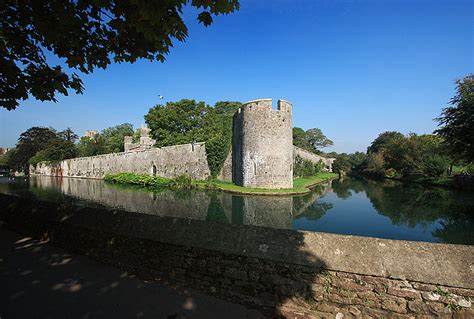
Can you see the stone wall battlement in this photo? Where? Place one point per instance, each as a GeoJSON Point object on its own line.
{"type": "Point", "coordinates": [265, 105]}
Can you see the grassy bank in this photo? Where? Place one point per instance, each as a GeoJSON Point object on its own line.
{"type": "Point", "coordinates": [300, 185]}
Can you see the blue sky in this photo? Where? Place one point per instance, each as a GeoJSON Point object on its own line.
{"type": "Point", "coordinates": [352, 68]}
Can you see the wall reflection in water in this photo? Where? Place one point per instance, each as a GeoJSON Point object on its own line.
{"type": "Point", "coordinates": [266, 211]}
{"type": "Point", "coordinates": [384, 209]}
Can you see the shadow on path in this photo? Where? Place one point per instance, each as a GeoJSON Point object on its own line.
{"type": "Point", "coordinates": [42, 281]}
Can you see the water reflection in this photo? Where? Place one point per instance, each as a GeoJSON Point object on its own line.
{"type": "Point", "coordinates": [391, 209]}
{"type": "Point", "coordinates": [380, 209]}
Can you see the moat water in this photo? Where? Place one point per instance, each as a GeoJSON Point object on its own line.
{"type": "Point", "coordinates": [385, 209]}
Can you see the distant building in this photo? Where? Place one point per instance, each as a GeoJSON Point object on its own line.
{"type": "Point", "coordinates": [4, 150]}
{"type": "Point", "coordinates": [91, 134]}
{"type": "Point", "coordinates": [145, 142]}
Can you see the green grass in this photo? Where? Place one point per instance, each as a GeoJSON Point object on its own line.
{"type": "Point", "coordinates": [300, 185]}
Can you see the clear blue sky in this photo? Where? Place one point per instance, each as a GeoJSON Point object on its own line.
{"type": "Point", "coordinates": [352, 68]}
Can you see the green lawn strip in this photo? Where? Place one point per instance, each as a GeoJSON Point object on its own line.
{"type": "Point", "coordinates": [300, 185]}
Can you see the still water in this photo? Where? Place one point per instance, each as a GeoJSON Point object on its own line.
{"type": "Point", "coordinates": [385, 209]}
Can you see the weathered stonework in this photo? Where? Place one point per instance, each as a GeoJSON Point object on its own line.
{"type": "Point", "coordinates": [262, 154]}
{"type": "Point", "coordinates": [262, 145]}
{"type": "Point", "coordinates": [284, 272]}
{"type": "Point", "coordinates": [315, 158]}
{"type": "Point", "coordinates": [145, 142]}
{"type": "Point", "coordinates": [170, 162]}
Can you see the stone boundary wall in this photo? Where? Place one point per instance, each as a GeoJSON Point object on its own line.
{"type": "Point", "coordinates": [282, 272]}
{"type": "Point", "coordinates": [304, 154]}
{"type": "Point", "coordinates": [170, 161]}
{"type": "Point", "coordinates": [226, 172]}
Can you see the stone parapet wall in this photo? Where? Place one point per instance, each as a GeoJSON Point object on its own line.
{"type": "Point", "coordinates": [170, 162]}
{"type": "Point", "coordinates": [287, 272]}
{"type": "Point", "coordinates": [315, 158]}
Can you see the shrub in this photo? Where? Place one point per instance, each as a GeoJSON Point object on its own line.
{"type": "Point", "coordinates": [305, 168]}
{"type": "Point", "coordinates": [435, 166]}
{"type": "Point", "coordinates": [182, 182]}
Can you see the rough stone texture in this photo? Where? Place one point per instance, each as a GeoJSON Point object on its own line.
{"type": "Point", "coordinates": [315, 158]}
{"type": "Point", "coordinates": [145, 142]}
{"type": "Point", "coordinates": [221, 260]}
{"type": "Point", "coordinates": [262, 145]}
{"type": "Point", "coordinates": [226, 171]}
{"type": "Point", "coordinates": [170, 161]}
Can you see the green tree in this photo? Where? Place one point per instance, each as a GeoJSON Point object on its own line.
{"type": "Point", "coordinates": [300, 140]}
{"type": "Point", "coordinates": [317, 139]}
{"type": "Point", "coordinates": [177, 122]}
{"type": "Point", "coordinates": [87, 35]}
{"type": "Point", "coordinates": [341, 164]}
{"type": "Point", "coordinates": [218, 133]}
{"type": "Point", "coordinates": [457, 121]}
{"type": "Point", "coordinates": [188, 121]}
{"type": "Point", "coordinates": [57, 150]}
{"type": "Point", "coordinates": [382, 140]}
{"type": "Point", "coordinates": [91, 146]}
{"type": "Point", "coordinates": [30, 142]}
{"type": "Point", "coordinates": [68, 135]}
{"type": "Point", "coordinates": [311, 140]}
{"type": "Point", "coordinates": [435, 166]}
{"type": "Point", "coordinates": [113, 137]}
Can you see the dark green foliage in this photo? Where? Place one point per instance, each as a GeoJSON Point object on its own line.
{"type": "Point", "coordinates": [86, 35]}
{"type": "Point", "coordinates": [383, 140]}
{"type": "Point", "coordinates": [457, 121]}
{"type": "Point", "coordinates": [341, 164]}
{"type": "Point", "coordinates": [113, 137]}
{"type": "Point", "coordinates": [219, 134]}
{"type": "Point", "coordinates": [110, 140]}
{"type": "Point", "coordinates": [299, 139]}
{"type": "Point", "coordinates": [215, 211]}
{"type": "Point", "coordinates": [57, 150]}
{"type": "Point", "coordinates": [305, 168]}
{"type": "Point", "coordinates": [91, 146]}
{"type": "Point", "coordinates": [188, 121]}
{"type": "Point", "coordinates": [216, 151]}
{"type": "Point", "coordinates": [435, 166]}
{"type": "Point", "coordinates": [317, 139]}
{"type": "Point", "coordinates": [68, 135]}
{"type": "Point", "coordinates": [30, 142]}
{"type": "Point", "coordinates": [182, 182]}
{"type": "Point", "coordinates": [136, 179]}
{"type": "Point", "coordinates": [177, 122]}
{"type": "Point", "coordinates": [311, 140]}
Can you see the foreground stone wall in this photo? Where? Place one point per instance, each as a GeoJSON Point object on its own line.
{"type": "Point", "coordinates": [315, 158]}
{"type": "Point", "coordinates": [262, 145]}
{"type": "Point", "coordinates": [297, 274]}
{"type": "Point", "coordinates": [170, 161]}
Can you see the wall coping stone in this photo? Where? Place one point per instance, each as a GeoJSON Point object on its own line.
{"type": "Point", "coordinates": [434, 263]}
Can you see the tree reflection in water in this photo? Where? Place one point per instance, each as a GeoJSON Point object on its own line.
{"type": "Point", "coordinates": [412, 204]}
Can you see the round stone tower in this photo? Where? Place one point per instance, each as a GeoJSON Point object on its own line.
{"type": "Point", "coordinates": [262, 145]}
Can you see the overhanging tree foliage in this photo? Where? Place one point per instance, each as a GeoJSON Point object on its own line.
{"type": "Point", "coordinates": [86, 34]}
{"type": "Point", "coordinates": [457, 121]}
